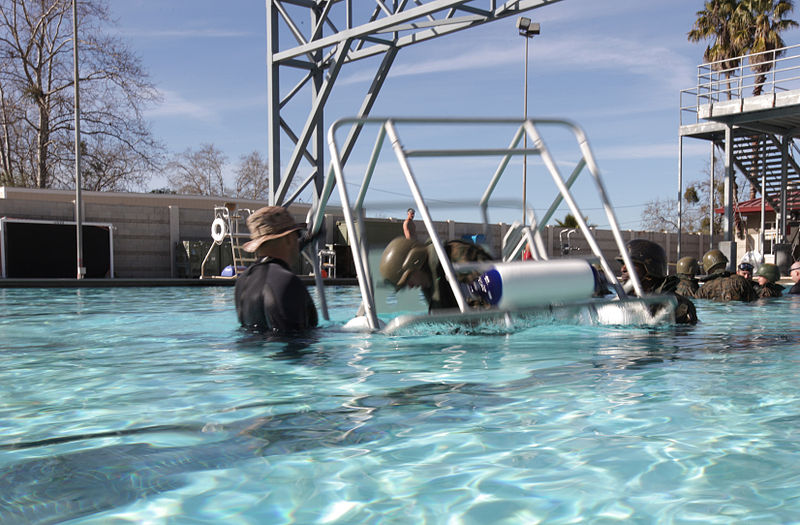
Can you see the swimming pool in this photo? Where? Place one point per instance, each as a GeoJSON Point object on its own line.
{"type": "Point", "coordinates": [148, 405]}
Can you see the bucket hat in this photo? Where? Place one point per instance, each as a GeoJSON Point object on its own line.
{"type": "Point", "coordinates": [267, 223]}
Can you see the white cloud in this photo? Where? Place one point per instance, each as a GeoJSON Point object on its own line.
{"type": "Point", "coordinates": [628, 57]}
{"type": "Point", "coordinates": [180, 33]}
{"type": "Point", "coordinates": [577, 54]}
{"type": "Point", "coordinates": [473, 59]}
{"type": "Point", "coordinates": [175, 105]}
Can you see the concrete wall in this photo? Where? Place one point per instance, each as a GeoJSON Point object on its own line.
{"type": "Point", "coordinates": [381, 231]}
{"type": "Point", "coordinates": [147, 227]}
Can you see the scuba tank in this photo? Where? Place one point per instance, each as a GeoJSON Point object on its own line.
{"type": "Point", "coordinates": [513, 285]}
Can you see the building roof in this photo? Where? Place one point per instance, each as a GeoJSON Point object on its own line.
{"type": "Point", "coordinates": [754, 205]}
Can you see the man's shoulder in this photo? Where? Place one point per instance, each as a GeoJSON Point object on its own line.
{"type": "Point", "coordinates": [458, 250]}
{"type": "Point", "coordinates": [716, 276]}
{"type": "Point", "coordinates": [728, 279]}
{"type": "Point", "coordinates": [271, 269]}
{"type": "Point", "coordinates": [727, 287]}
{"type": "Point", "coordinates": [668, 284]}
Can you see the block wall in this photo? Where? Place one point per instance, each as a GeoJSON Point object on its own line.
{"type": "Point", "coordinates": [148, 229]}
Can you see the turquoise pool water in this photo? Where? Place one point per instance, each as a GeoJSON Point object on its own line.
{"type": "Point", "coordinates": [149, 406]}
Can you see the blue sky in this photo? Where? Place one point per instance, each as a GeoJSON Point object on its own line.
{"type": "Point", "coordinates": [614, 67]}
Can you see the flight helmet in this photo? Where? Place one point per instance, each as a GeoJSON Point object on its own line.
{"type": "Point", "coordinates": [687, 266]}
{"type": "Point", "coordinates": [713, 261]}
{"type": "Point", "coordinates": [400, 259]}
{"type": "Point", "coordinates": [648, 254]}
{"type": "Point", "coordinates": [770, 271]}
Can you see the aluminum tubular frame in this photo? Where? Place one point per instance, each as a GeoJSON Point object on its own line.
{"type": "Point", "coordinates": [586, 159]}
{"type": "Point", "coordinates": [387, 127]}
{"type": "Point", "coordinates": [339, 32]}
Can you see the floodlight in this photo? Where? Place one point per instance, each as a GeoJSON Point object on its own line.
{"type": "Point", "coordinates": [526, 27]}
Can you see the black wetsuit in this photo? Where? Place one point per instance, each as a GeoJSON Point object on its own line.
{"type": "Point", "coordinates": [794, 289]}
{"type": "Point", "coordinates": [270, 298]}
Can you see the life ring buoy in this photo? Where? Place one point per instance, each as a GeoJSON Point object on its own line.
{"type": "Point", "coordinates": [219, 229]}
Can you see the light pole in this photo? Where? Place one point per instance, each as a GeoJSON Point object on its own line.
{"type": "Point", "coordinates": [528, 30]}
{"type": "Point", "coordinates": [78, 203]}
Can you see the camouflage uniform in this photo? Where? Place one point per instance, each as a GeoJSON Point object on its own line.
{"type": "Point", "coordinates": [685, 312]}
{"type": "Point", "coordinates": [687, 286]}
{"type": "Point", "coordinates": [653, 261]}
{"type": "Point", "coordinates": [440, 294]}
{"type": "Point", "coordinates": [724, 286]}
{"type": "Point", "coordinates": [768, 290]}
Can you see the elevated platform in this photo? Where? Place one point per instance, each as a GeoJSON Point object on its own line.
{"type": "Point", "coordinates": [762, 112]}
{"type": "Point", "coordinates": [775, 113]}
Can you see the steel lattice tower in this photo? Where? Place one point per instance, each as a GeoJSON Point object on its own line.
{"type": "Point", "coordinates": [318, 37]}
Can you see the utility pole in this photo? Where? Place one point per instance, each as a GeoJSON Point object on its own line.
{"type": "Point", "coordinates": [528, 30]}
{"type": "Point", "coordinates": [78, 202]}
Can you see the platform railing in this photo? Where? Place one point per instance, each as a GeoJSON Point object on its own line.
{"type": "Point", "coordinates": [736, 78]}
{"type": "Point", "coordinates": [388, 128]}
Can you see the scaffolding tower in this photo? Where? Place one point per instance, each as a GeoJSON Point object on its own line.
{"type": "Point", "coordinates": [308, 43]}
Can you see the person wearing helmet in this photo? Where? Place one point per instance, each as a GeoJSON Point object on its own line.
{"type": "Point", "coordinates": [650, 264]}
{"type": "Point", "coordinates": [766, 285]}
{"type": "Point", "coordinates": [719, 284]}
{"type": "Point", "coordinates": [407, 263]}
{"type": "Point", "coordinates": [686, 269]}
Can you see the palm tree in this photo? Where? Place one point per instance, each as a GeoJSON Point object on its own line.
{"type": "Point", "coordinates": [571, 222]}
{"type": "Point", "coordinates": [758, 27]}
{"type": "Point", "coordinates": [716, 23]}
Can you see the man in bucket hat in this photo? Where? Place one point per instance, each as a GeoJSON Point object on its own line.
{"type": "Point", "coordinates": [269, 296]}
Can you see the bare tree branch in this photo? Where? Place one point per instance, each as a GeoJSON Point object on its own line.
{"type": "Point", "coordinates": [252, 177]}
{"type": "Point", "coordinates": [36, 75]}
{"type": "Point", "coordinates": [198, 172]}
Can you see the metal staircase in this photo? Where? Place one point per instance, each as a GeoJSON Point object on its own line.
{"type": "Point", "coordinates": [760, 154]}
{"type": "Point", "coordinates": [759, 113]}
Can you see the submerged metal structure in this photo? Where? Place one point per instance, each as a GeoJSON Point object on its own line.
{"type": "Point", "coordinates": [751, 112]}
{"type": "Point", "coordinates": [308, 43]}
{"type": "Point", "coordinates": [529, 290]}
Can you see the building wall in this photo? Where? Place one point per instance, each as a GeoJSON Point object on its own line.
{"type": "Point", "coordinates": [147, 228]}
{"type": "Point", "coordinates": [750, 242]}
{"type": "Point", "coordinates": [381, 231]}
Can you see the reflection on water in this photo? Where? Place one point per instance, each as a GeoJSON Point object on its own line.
{"type": "Point", "coordinates": [151, 405]}
{"type": "Point", "coordinates": [66, 486]}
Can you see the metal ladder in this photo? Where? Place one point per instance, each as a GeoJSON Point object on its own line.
{"type": "Point", "coordinates": [226, 226]}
